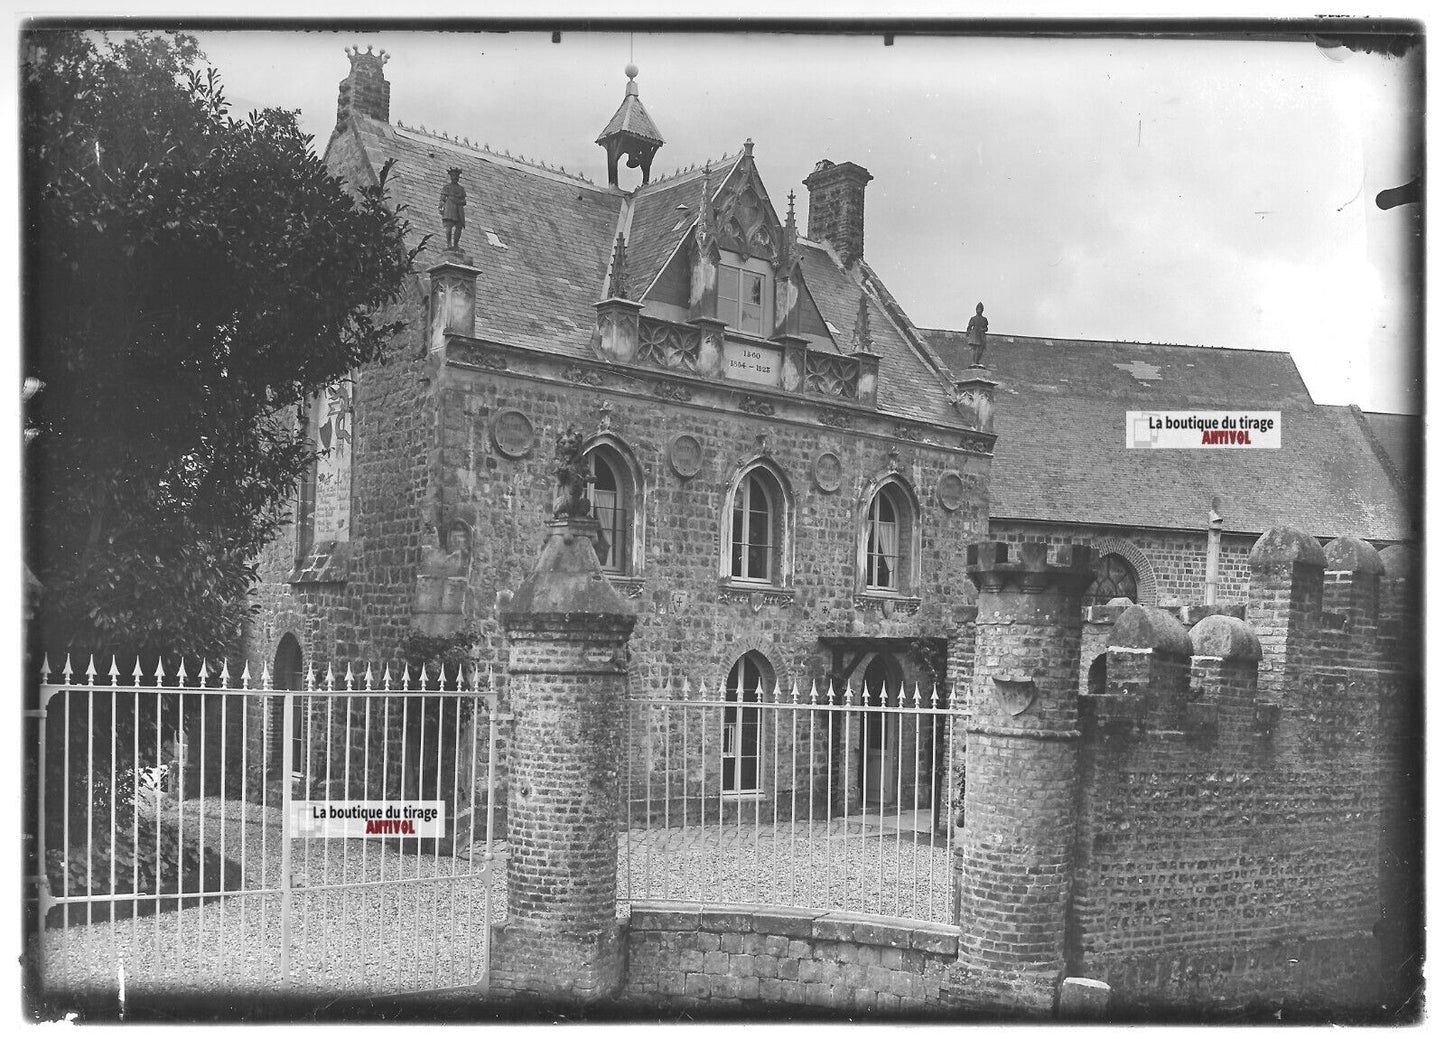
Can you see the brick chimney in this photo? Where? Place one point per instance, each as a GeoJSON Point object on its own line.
{"type": "Point", "coordinates": [366, 92]}
{"type": "Point", "coordinates": [835, 207]}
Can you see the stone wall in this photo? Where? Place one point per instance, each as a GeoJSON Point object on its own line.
{"type": "Point", "coordinates": [722, 959]}
{"type": "Point", "coordinates": [692, 623]}
{"type": "Point", "coordinates": [361, 605]}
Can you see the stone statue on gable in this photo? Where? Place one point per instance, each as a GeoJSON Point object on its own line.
{"type": "Point", "coordinates": [976, 334]}
{"type": "Point", "coordinates": [453, 209]}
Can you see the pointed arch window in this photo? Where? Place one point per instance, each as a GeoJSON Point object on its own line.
{"type": "Point", "coordinates": [882, 557]}
{"type": "Point", "coordinates": [889, 542]}
{"type": "Point", "coordinates": [742, 747]}
{"type": "Point", "coordinates": [613, 492]}
{"type": "Point", "coordinates": [756, 537]}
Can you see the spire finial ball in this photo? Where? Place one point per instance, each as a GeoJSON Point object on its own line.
{"type": "Point", "coordinates": [631, 70]}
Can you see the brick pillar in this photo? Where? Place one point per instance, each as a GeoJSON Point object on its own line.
{"type": "Point", "coordinates": [1148, 656]}
{"type": "Point", "coordinates": [567, 632]}
{"type": "Point", "coordinates": [1224, 669]}
{"type": "Point", "coordinates": [1352, 590]}
{"type": "Point", "coordinates": [1020, 806]}
{"type": "Point", "coordinates": [1286, 591]}
{"type": "Point", "coordinates": [1399, 620]}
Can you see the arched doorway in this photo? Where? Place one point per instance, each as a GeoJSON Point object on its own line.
{"type": "Point", "coordinates": [881, 734]}
{"type": "Point", "coordinates": [742, 734]}
{"type": "Point", "coordinates": [1099, 675]}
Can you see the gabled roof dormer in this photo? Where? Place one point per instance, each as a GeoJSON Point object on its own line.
{"type": "Point", "coordinates": [630, 132]}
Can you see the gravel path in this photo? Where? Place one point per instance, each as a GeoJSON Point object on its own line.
{"type": "Point", "coordinates": [396, 935]}
{"type": "Point", "coordinates": [392, 935]}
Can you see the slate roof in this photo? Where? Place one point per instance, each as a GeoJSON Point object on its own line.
{"type": "Point", "coordinates": [654, 234]}
{"type": "Point", "coordinates": [1401, 438]}
{"type": "Point", "coordinates": [631, 117]}
{"type": "Point", "coordinates": [539, 290]}
{"type": "Point", "coordinates": [906, 385]}
{"type": "Point", "coordinates": [1060, 454]}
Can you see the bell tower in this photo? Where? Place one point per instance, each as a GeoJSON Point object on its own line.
{"type": "Point", "coordinates": [630, 132]}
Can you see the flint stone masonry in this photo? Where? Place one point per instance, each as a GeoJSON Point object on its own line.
{"type": "Point", "coordinates": [1231, 863]}
{"type": "Point", "coordinates": [720, 958]}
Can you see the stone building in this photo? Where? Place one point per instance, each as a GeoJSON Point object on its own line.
{"type": "Point", "coordinates": [1063, 475]}
{"type": "Point", "coordinates": [785, 474]}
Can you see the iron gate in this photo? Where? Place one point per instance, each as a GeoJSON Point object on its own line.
{"type": "Point", "coordinates": [186, 834]}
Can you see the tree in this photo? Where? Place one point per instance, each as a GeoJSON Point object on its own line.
{"type": "Point", "coordinates": [191, 278]}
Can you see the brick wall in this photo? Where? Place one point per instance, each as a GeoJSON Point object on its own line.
{"type": "Point", "coordinates": [1172, 568]}
{"type": "Point", "coordinates": [724, 958]}
{"type": "Point", "coordinates": [1228, 855]}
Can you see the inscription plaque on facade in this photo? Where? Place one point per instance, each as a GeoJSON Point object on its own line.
{"type": "Point", "coordinates": [684, 455]}
{"type": "Point", "coordinates": [828, 472]}
{"type": "Point", "coordinates": [743, 362]}
{"type": "Point", "coordinates": [513, 433]}
{"type": "Point", "coordinates": [950, 490]}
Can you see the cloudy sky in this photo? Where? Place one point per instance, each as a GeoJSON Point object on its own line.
{"type": "Point", "coordinates": [1199, 191]}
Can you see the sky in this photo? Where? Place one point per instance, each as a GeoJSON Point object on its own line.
{"type": "Point", "coordinates": [1197, 191]}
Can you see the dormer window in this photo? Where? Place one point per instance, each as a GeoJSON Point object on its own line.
{"type": "Point", "coordinates": [744, 298]}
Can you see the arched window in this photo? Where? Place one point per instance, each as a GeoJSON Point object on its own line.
{"type": "Point", "coordinates": [755, 537]}
{"type": "Point", "coordinates": [1113, 577]}
{"type": "Point", "coordinates": [287, 676]}
{"type": "Point", "coordinates": [881, 566]}
{"type": "Point", "coordinates": [889, 541]}
{"type": "Point", "coordinates": [742, 729]}
{"type": "Point", "coordinates": [613, 494]}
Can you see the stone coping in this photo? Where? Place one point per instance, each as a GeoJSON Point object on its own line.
{"type": "Point", "coordinates": [902, 933]}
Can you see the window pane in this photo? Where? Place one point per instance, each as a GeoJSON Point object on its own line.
{"type": "Point", "coordinates": [751, 318]}
{"type": "Point", "coordinates": [727, 295]}
{"type": "Point", "coordinates": [739, 515]}
{"type": "Point", "coordinates": [609, 505]}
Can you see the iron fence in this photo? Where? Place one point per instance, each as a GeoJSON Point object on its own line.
{"type": "Point", "coordinates": [797, 797]}
{"type": "Point", "coordinates": [177, 844]}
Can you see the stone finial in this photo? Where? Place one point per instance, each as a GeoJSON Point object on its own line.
{"type": "Point", "coordinates": [788, 249]}
{"type": "Point", "coordinates": [705, 218]}
{"type": "Point", "coordinates": [1348, 553]}
{"type": "Point", "coordinates": [1225, 637]}
{"type": "Point", "coordinates": [617, 279]}
{"type": "Point", "coordinates": [453, 208]}
{"type": "Point", "coordinates": [976, 335]}
{"type": "Point", "coordinates": [570, 501]}
{"type": "Point", "coordinates": [1154, 629]}
{"type": "Point", "coordinates": [1282, 545]}
{"type": "Point", "coordinates": [862, 334]}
